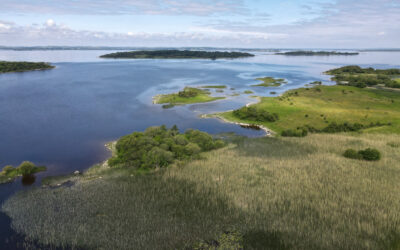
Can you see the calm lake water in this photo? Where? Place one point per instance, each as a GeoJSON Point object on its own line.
{"type": "Point", "coordinates": [62, 118]}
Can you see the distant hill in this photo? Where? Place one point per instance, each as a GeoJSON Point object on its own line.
{"type": "Point", "coordinates": [175, 54]}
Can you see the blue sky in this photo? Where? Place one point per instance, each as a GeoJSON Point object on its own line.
{"type": "Point", "coordinates": [220, 23]}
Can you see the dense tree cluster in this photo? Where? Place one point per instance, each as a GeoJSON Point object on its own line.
{"type": "Point", "coordinates": [177, 54]}
{"type": "Point", "coordinates": [159, 147]}
{"type": "Point", "coordinates": [317, 53]}
{"type": "Point", "coordinates": [188, 92]}
{"type": "Point", "coordinates": [253, 114]}
{"type": "Point", "coordinates": [363, 77]}
{"type": "Point", "coordinates": [369, 154]}
{"type": "Point", "coordinates": [23, 66]}
{"type": "Point", "coordinates": [25, 168]}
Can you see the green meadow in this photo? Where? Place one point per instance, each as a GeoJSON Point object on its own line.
{"type": "Point", "coordinates": [322, 105]}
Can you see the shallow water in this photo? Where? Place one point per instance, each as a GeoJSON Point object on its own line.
{"type": "Point", "coordinates": [62, 118]}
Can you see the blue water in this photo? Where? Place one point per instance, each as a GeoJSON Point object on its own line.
{"type": "Point", "coordinates": [62, 118]}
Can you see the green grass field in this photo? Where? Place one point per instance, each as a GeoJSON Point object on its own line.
{"type": "Point", "coordinates": [270, 82]}
{"type": "Point", "coordinates": [200, 96]}
{"type": "Point", "coordinates": [278, 193]}
{"type": "Point", "coordinates": [321, 105]}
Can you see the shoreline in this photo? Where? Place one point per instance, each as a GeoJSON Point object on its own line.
{"type": "Point", "coordinates": [268, 132]}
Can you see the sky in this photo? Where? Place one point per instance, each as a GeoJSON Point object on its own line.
{"type": "Point", "coordinates": [202, 23]}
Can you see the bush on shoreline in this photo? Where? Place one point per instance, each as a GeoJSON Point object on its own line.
{"type": "Point", "coordinates": [159, 147]}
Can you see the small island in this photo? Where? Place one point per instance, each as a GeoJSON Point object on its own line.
{"type": "Point", "coordinates": [270, 82]}
{"type": "Point", "coordinates": [365, 77]}
{"type": "Point", "coordinates": [7, 67]}
{"type": "Point", "coordinates": [26, 168]}
{"type": "Point", "coordinates": [176, 54]}
{"type": "Point", "coordinates": [188, 95]}
{"type": "Point", "coordinates": [317, 53]}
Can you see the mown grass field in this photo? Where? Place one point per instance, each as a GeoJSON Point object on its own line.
{"type": "Point", "coordinates": [321, 105]}
{"type": "Point", "coordinates": [279, 193]}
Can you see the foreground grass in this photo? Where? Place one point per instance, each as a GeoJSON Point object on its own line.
{"type": "Point", "coordinates": [182, 98]}
{"type": "Point", "coordinates": [322, 105]}
{"type": "Point", "coordinates": [279, 193]}
{"type": "Point", "coordinates": [270, 82]}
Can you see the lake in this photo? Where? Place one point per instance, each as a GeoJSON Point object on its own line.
{"type": "Point", "coordinates": [62, 118]}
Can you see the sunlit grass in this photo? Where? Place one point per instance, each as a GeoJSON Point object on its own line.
{"type": "Point", "coordinates": [321, 105]}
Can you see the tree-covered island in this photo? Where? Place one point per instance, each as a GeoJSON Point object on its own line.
{"type": "Point", "coordinates": [316, 53]}
{"type": "Point", "coordinates": [26, 168]}
{"type": "Point", "coordinates": [187, 96]}
{"type": "Point", "coordinates": [6, 67]}
{"type": "Point", "coordinates": [365, 77]}
{"type": "Point", "coordinates": [270, 82]}
{"type": "Point", "coordinates": [176, 54]}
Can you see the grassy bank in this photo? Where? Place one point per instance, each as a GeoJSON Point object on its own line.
{"type": "Point", "coordinates": [186, 96]}
{"type": "Point", "coordinates": [279, 193]}
{"type": "Point", "coordinates": [322, 105]}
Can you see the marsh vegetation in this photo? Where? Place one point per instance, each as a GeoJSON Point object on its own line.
{"type": "Point", "coordinates": [276, 193]}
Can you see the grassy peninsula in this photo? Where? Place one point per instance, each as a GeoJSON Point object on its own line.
{"type": "Point", "coordinates": [176, 54]}
{"type": "Point", "coordinates": [317, 53]}
{"type": "Point", "coordinates": [270, 82]}
{"type": "Point", "coordinates": [7, 67]}
{"type": "Point", "coordinates": [187, 96]}
{"type": "Point", "coordinates": [325, 109]}
{"type": "Point", "coordinates": [365, 77]}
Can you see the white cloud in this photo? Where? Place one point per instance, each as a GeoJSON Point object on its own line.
{"type": "Point", "coordinates": [50, 22]}
{"type": "Point", "coordinates": [118, 7]}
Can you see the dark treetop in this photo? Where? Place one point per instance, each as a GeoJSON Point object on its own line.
{"type": "Point", "coordinates": [176, 54]}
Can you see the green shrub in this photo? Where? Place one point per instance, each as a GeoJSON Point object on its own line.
{"type": "Point", "coordinates": [352, 154]}
{"type": "Point", "coordinates": [370, 154]}
{"type": "Point", "coordinates": [26, 168]}
{"type": "Point", "coordinates": [7, 169]}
